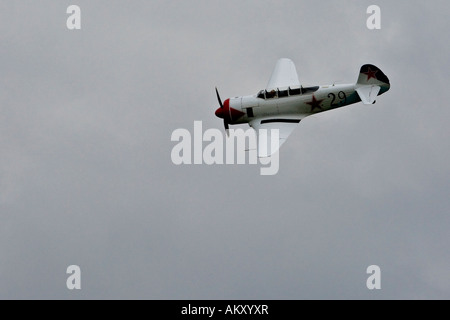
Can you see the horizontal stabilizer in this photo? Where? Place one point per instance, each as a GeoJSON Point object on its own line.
{"type": "Point", "coordinates": [368, 94]}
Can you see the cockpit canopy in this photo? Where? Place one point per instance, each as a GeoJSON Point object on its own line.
{"type": "Point", "coordinates": [285, 92]}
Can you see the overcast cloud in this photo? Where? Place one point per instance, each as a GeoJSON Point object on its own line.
{"type": "Point", "coordinates": [86, 176]}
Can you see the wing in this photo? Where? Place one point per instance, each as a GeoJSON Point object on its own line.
{"type": "Point", "coordinates": [284, 75]}
{"type": "Point", "coordinates": [285, 126]}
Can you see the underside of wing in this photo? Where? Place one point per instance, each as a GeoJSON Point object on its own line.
{"type": "Point", "coordinates": [272, 133]}
{"type": "Point", "coordinates": [284, 75]}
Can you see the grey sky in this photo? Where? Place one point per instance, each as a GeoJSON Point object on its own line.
{"type": "Point", "coordinates": [86, 176]}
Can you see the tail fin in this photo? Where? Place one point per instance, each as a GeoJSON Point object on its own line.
{"type": "Point", "coordinates": [371, 82]}
{"type": "Point", "coordinates": [370, 74]}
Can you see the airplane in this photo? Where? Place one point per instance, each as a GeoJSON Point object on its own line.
{"type": "Point", "coordinates": [284, 102]}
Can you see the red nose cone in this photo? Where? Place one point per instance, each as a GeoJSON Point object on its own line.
{"type": "Point", "coordinates": [227, 113]}
{"type": "Point", "coordinates": [224, 113]}
{"type": "Point", "coordinates": [219, 113]}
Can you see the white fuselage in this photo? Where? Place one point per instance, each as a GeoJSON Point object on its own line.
{"type": "Point", "coordinates": [309, 101]}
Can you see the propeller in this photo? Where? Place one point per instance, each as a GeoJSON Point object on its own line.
{"type": "Point", "coordinates": [218, 98]}
{"type": "Point", "coordinates": [225, 122]}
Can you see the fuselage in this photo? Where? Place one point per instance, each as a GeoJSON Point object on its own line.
{"type": "Point", "coordinates": [291, 102]}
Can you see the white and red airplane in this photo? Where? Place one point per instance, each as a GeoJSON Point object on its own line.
{"type": "Point", "coordinates": [284, 102]}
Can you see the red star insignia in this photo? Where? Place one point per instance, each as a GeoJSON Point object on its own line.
{"type": "Point", "coordinates": [371, 74]}
{"type": "Point", "coordinates": [315, 103]}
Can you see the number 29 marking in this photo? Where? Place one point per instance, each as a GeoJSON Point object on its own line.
{"type": "Point", "coordinates": [341, 95]}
